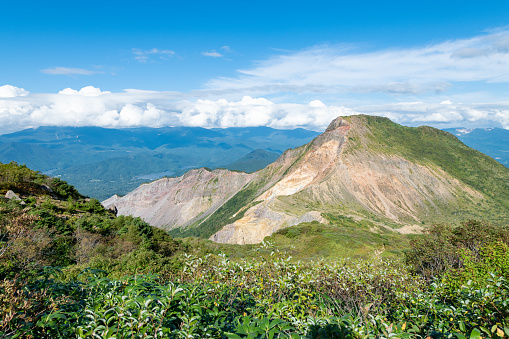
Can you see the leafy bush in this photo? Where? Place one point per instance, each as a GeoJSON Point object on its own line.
{"type": "Point", "coordinates": [273, 298]}
{"type": "Point", "coordinates": [443, 247]}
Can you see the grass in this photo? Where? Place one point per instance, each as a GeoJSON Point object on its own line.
{"type": "Point", "coordinates": [313, 240]}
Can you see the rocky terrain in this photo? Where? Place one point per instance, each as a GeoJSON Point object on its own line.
{"type": "Point", "coordinates": [360, 167]}
{"type": "Point", "coordinates": [176, 202]}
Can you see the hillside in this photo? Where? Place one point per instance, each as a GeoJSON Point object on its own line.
{"type": "Point", "coordinates": [71, 269]}
{"type": "Point", "coordinates": [253, 161]}
{"type": "Point", "coordinates": [491, 141]}
{"type": "Point", "coordinates": [381, 175]}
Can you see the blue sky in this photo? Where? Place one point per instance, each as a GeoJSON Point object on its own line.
{"type": "Point", "coordinates": [239, 63]}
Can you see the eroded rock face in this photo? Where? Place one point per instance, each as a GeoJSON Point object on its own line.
{"type": "Point", "coordinates": [176, 202]}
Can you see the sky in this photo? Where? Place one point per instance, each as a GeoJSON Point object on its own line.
{"type": "Point", "coordinates": [283, 64]}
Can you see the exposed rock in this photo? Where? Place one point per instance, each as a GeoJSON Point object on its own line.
{"type": "Point", "coordinates": [47, 188]}
{"type": "Point", "coordinates": [389, 186]}
{"type": "Point", "coordinates": [175, 202]}
{"type": "Point", "coordinates": [11, 195]}
{"type": "Point", "coordinates": [113, 209]}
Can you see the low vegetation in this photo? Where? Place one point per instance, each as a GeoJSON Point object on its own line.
{"type": "Point", "coordinates": [71, 269]}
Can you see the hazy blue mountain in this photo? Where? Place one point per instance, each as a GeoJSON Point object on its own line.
{"type": "Point", "coordinates": [490, 141]}
{"type": "Point", "coordinates": [253, 161]}
{"type": "Point", "coordinates": [101, 162]}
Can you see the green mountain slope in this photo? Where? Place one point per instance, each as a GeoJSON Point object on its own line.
{"type": "Point", "coordinates": [253, 161]}
{"type": "Point", "coordinates": [491, 141]}
{"type": "Point", "coordinates": [429, 145]}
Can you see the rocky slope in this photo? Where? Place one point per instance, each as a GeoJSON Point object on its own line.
{"type": "Point", "coordinates": [176, 202]}
{"type": "Point", "coordinates": [362, 167]}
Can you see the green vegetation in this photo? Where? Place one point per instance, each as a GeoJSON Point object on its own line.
{"type": "Point", "coordinates": [70, 269]}
{"type": "Point", "coordinates": [253, 161]}
{"type": "Point", "coordinates": [491, 141]}
{"type": "Point", "coordinates": [53, 225]}
{"type": "Point", "coordinates": [341, 239]}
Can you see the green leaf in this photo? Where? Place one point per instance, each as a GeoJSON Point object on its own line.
{"type": "Point", "coordinates": [485, 330]}
{"type": "Point", "coordinates": [462, 326]}
{"type": "Point", "coordinates": [476, 334]}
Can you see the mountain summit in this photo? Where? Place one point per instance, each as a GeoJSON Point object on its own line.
{"type": "Point", "coordinates": [362, 167]}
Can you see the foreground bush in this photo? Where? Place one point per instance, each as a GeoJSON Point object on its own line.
{"type": "Point", "coordinates": [265, 298]}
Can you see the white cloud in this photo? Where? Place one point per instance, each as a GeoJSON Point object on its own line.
{"type": "Point", "coordinates": [68, 71]}
{"type": "Point", "coordinates": [258, 112]}
{"type": "Point", "coordinates": [331, 69]}
{"type": "Point", "coordinates": [443, 114]}
{"type": "Point", "coordinates": [213, 54]}
{"type": "Point", "coordinates": [90, 106]}
{"type": "Point", "coordinates": [143, 56]}
{"type": "Point", "coordinates": [89, 91]}
{"type": "Point", "coordinates": [8, 91]}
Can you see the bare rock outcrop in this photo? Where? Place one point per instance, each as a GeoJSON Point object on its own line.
{"type": "Point", "coordinates": [12, 196]}
{"type": "Point", "coordinates": [176, 202]}
{"type": "Point", "coordinates": [389, 186]}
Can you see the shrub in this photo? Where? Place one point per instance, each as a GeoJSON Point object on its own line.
{"type": "Point", "coordinates": [443, 247]}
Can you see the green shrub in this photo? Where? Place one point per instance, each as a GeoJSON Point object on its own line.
{"type": "Point", "coordinates": [443, 247]}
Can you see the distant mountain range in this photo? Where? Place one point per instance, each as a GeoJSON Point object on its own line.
{"type": "Point", "coordinates": [364, 170]}
{"type": "Point", "coordinates": [101, 162]}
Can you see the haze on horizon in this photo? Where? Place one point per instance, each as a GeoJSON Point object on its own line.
{"type": "Point", "coordinates": [278, 64]}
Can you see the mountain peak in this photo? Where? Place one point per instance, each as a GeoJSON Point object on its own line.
{"type": "Point", "coordinates": [362, 167]}
{"type": "Point", "coordinates": [336, 124]}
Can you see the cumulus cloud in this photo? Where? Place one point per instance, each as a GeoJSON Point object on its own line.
{"type": "Point", "coordinates": [8, 91]}
{"type": "Point", "coordinates": [443, 114]}
{"type": "Point", "coordinates": [68, 71]}
{"type": "Point", "coordinates": [91, 106]}
{"type": "Point", "coordinates": [258, 112]}
{"type": "Point", "coordinates": [89, 91]}
{"type": "Point", "coordinates": [143, 56]}
{"type": "Point", "coordinates": [429, 68]}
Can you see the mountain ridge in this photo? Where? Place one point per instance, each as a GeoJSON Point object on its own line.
{"type": "Point", "coordinates": [364, 167]}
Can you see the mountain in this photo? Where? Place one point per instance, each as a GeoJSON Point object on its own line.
{"type": "Point", "coordinates": [369, 170]}
{"type": "Point", "coordinates": [253, 161]}
{"type": "Point", "coordinates": [101, 161]}
{"type": "Point", "coordinates": [491, 141]}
